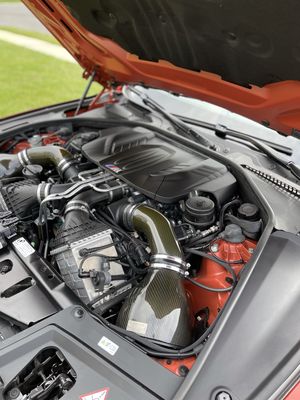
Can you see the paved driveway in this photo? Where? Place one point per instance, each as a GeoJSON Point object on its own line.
{"type": "Point", "coordinates": [18, 16]}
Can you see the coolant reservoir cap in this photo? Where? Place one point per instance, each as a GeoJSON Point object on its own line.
{"type": "Point", "coordinates": [199, 211]}
{"type": "Point", "coordinates": [233, 234]}
{"type": "Point", "coordinates": [248, 211]}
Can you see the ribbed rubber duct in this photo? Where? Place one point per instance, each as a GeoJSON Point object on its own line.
{"type": "Point", "coordinates": [158, 307]}
{"type": "Point", "coordinates": [24, 197]}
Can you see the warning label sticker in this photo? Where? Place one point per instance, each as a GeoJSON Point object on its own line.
{"type": "Point", "coordinates": [138, 327]}
{"type": "Point", "coordinates": [23, 247]}
{"type": "Point", "coordinates": [109, 346]}
{"type": "Point", "coordinates": [98, 395]}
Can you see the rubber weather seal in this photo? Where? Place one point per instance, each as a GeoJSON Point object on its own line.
{"type": "Point", "coordinates": [283, 186]}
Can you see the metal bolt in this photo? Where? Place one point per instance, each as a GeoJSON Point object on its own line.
{"type": "Point", "coordinates": [5, 269]}
{"type": "Point", "coordinates": [223, 396]}
{"type": "Point", "coordinates": [215, 248]}
{"type": "Point", "coordinates": [183, 370]}
{"type": "Point", "coordinates": [15, 394]}
{"type": "Point", "coordinates": [78, 312]}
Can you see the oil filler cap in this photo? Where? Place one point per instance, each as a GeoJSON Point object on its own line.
{"type": "Point", "coordinates": [199, 211]}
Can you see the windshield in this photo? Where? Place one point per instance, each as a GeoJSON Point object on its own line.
{"type": "Point", "coordinates": [193, 110]}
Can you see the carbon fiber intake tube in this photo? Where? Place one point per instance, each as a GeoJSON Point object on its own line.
{"type": "Point", "coordinates": [158, 307]}
{"type": "Point", "coordinates": [59, 157]}
{"type": "Point", "coordinates": [12, 164]}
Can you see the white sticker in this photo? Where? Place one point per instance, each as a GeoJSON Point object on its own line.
{"type": "Point", "coordinates": [23, 247]}
{"type": "Point", "coordinates": [109, 346]}
{"type": "Point", "coordinates": [137, 327]}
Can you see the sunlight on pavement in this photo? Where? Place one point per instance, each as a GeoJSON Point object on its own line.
{"type": "Point", "coordinates": [37, 45]}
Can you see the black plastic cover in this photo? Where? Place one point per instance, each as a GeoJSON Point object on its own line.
{"type": "Point", "coordinates": [244, 41]}
{"type": "Point", "coordinates": [30, 290]}
{"type": "Point", "coordinates": [113, 140]}
{"type": "Point", "coordinates": [163, 171]}
{"type": "Point", "coordinates": [100, 358]}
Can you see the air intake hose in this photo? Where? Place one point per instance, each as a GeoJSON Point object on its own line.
{"type": "Point", "coordinates": [24, 197]}
{"type": "Point", "coordinates": [77, 222]}
{"type": "Point", "coordinates": [158, 307]}
{"type": "Point", "coordinates": [12, 165]}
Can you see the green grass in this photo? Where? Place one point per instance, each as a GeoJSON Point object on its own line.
{"type": "Point", "coordinates": [36, 35]}
{"type": "Point", "coordinates": [31, 80]}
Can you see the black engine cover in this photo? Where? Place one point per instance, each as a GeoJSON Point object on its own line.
{"type": "Point", "coordinates": [167, 173]}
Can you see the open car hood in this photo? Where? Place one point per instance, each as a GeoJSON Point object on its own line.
{"type": "Point", "coordinates": [243, 55]}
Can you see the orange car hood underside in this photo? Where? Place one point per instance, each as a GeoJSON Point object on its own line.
{"type": "Point", "coordinates": [275, 103]}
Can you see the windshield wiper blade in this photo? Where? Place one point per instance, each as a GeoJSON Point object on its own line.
{"type": "Point", "coordinates": [276, 146]}
{"type": "Point", "coordinates": [220, 130]}
{"type": "Point", "coordinates": [223, 131]}
{"type": "Point", "coordinates": [176, 122]}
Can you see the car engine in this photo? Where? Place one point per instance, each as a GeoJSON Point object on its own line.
{"type": "Point", "coordinates": [147, 235]}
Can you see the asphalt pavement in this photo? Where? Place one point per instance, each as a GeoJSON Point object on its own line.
{"type": "Point", "coordinates": [18, 16]}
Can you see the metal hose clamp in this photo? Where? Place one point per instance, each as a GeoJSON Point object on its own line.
{"type": "Point", "coordinates": [23, 158]}
{"type": "Point", "coordinates": [77, 205]}
{"type": "Point", "coordinates": [128, 214]}
{"type": "Point", "coordinates": [43, 191]}
{"type": "Point", "coordinates": [63, 165]}
{"type": "Point", "coordinates": [164, 261]}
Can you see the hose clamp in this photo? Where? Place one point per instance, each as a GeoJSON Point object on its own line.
{"type": "Point", "coordinates": [43, 191]}
{"type": "Point", "coordinates": [128, 215]}
{"type": "Point", "coordinates": [165, 261]}
{"type": "Point", "coordinates": [47, 189]}
{"type": "Point", "coordinates": [63, 165]}
{"type": "Point", "coordinates": [23, 158]}
{"type": "Point", "coordinates": [77, 205]}
{"type": "Point", "coordinates": [38, 192]}
{"type": "Point", "coordinates": [173, 268]}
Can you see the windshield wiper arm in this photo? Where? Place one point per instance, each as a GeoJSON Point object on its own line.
{"type": "Point", "coordinates": [223, 131]}
{"type": "Point", "coordinates": [220, 130]}
{"type": "Point", "coordinates": [276, 146]}
{"type": "Point", "coordinates": [176, 122]}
